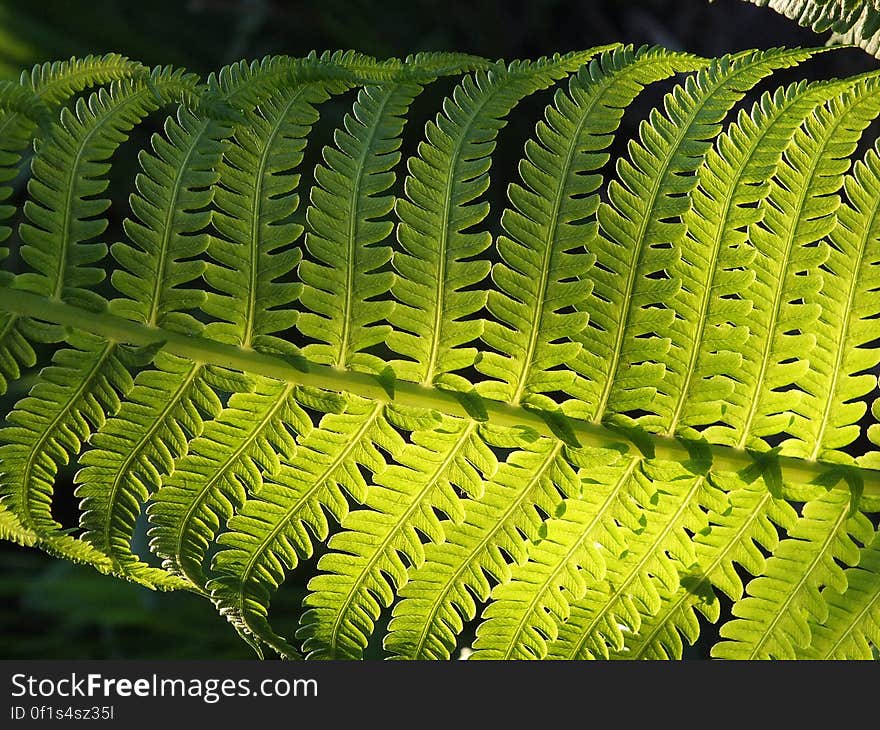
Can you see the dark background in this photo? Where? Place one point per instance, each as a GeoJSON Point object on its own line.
{"type": "Point", "coordinates": [53, 609]}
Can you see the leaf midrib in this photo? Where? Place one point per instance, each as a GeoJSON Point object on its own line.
{"type": "Point", "coordinates": [550, 240]}
{"type": "Point", "coordinates": [354, 207]}
{"type": "Point", "coordinates": [443, 242]}
{"type": "Point", "coordinates": [256, 208]}
{"type": "Point", "coordinates": [200, 348]}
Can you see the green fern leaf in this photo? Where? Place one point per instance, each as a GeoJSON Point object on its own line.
{"type": "Point", "coordinates": [268, 535]}
{"type": "Point", "coordinates": [580, 430]}
{"type": "Point", "coordinates": [555, 560]}
{"type": "Point", "coordinates": [567, 557]}
{"type": "Point", "coordinates": [368, 566]}
{"type": "Point", "coordinates": [71, 399]}
{"type": "Point", "coordinates": [248, 260]}
{"type": "Point", "coordinates": [729, 185]}
{"type": "Point", "coordinates": [341, 286]}
{"type": "Point", "coordinates": [798, 211]}
{"type": "Point", "coordinates": [251, 243]}
{"type": "Point", "coordinates": [67, 177]}
{"type": "Point", "coordinates": [848, 296]}
{"type": "Point", "coordinates": [440, 595]}
{"type": "Point", "coordinates": [773, 620]}
{"type": "Point", "coordinates": [48, 86]}
{"type": "Point", "coordinates": [637, 241]}
{"type": "Point", "coordinates": [11, 529]}
{"type": "Point", "coordinates": [851, 627]}
{"type": "Point", "coordinates": [210, 481]}
{"type": "Point", "coordinates": [776, 396]}
{"type": "Point", "coordinates": [732, 185]}
{"type": "Point", "coordinates": [737, 533]}
{"type": "Point", "coordinates": [90, 377]}
{"type": "Point", "coordinates": [543, 263]}
{"type": "Point", "coordinates": [111, 490]}
{"type": "Point", "coordinates": [442, 200]}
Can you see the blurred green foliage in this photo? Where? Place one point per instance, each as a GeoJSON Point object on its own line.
{"type": "Point", "coordinates": [52, 609]}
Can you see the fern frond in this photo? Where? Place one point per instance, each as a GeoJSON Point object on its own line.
{"type": "Point", "coordinates": [578, 449]}
{"type": "Point", "coordinates": [864, 31]}
{"type": "Point", "coordinates": [71, 399]}
{"type": "Point", "coordinates": [252, 435]}
{"type": "Point", "coordinates": [732, 185]}
{"type": "Point", "coordinates": [852, 625]}
{"type": "Point", "coordinates": [568, 552]}
{"type": "Point", "coordinates": [268, 535]}
{"type": "Point", "coordinates": [63, 208]}
{"type": "Point", "coordinates": [840, 364]}
{"type": "Point", "coordinates": [170, 210]}
{"type": "Point", "coordinates": [257, 195]}
{"type": "Point", "coordinates": [16, 351]}
{"type": "Point", "coordinates": [18, 100]}
{"type": "Point", "coordinates": [729, 186]}
{"type": "Point", "coordinates": [773, 620]}
{"type": "Point", "coordinates": [543, 263]}
{"type": "Point", "coordinates": [249, 260]}
{"type": "Point", "coordinates": [347, 219]}
{"type": "Point", "coordinates": [441, 594]}
{"type": "Point", "coordinates": [852, 21]}
{"type": "Point", "coordinates": [442, 202]}
{"type": "Point", "coordinates": [131, 453]}
{"type": "Point", "coordinates": [655, 555]}
{"type": "Point", "coordinates": [367, 567]}
{"type": "Point", "coordinates": [429, 65]}
{"type": "Point", "coordinates": [171, 214]}
{"type": "Point", "coordinates": [635, 355]}
{"type": "Point", "coordinates": [176, 190]}
{"type": "Point", "coordinates": [55, 82]}
{"type": "Point", "coordinates": [776, 136]}
{"type": "Point", "coordinates": [744, 525]}
{"type": "Point", "coordinates": [47, 85]}
{"type": "Point", "coordinates": [64, 215]}
{"type": "Point", "coordinates": [44, 88]}
{"type": "Point", "coordinates": [245, 84]}
{"type": "Point", "coordinates": [568, 557]}
{"type": "Point", "coordinates": [11, 529]}
{"type": "Point", "coordinates": [78, 144]}
{"type": "Point", "coordinates": [251, 253]}
{"type": "Point", "coordinates": [797, 213]}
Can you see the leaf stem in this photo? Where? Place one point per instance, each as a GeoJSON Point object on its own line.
{"type": "Point", "coordinates": [796, 473]}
